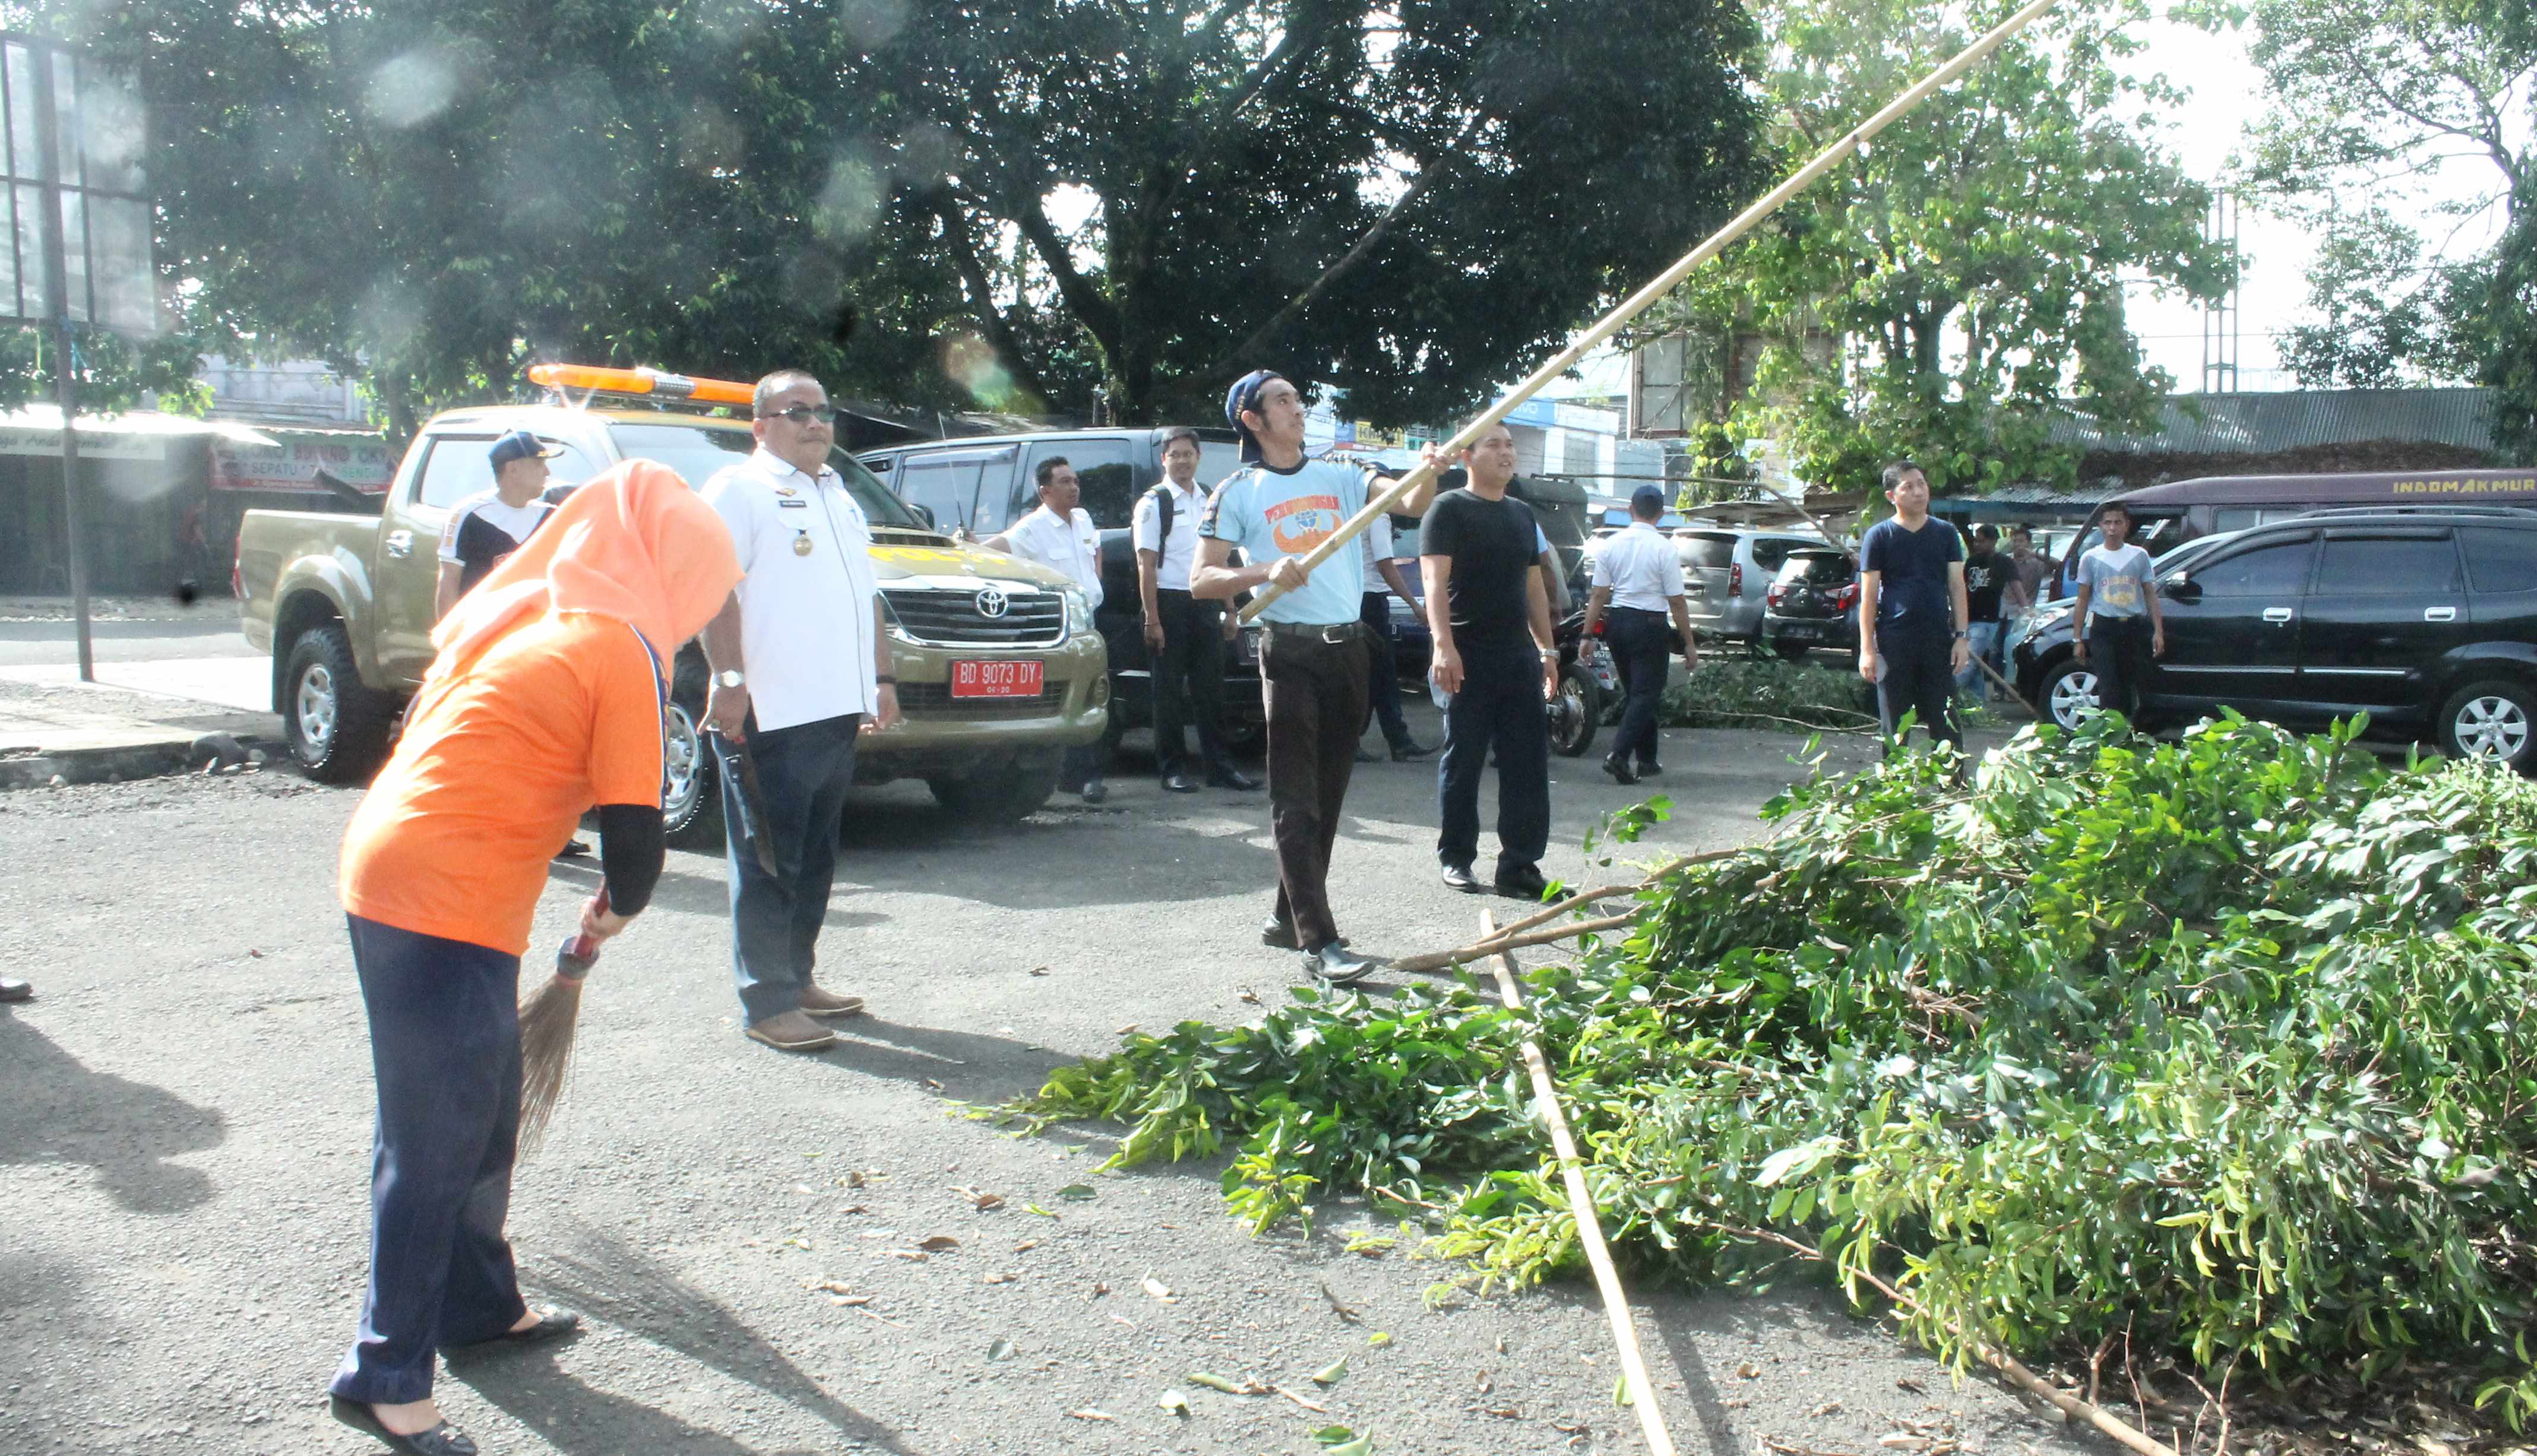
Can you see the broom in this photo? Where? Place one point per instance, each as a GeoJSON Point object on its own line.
{"type": "Point", "coordinates": [547, 1020]}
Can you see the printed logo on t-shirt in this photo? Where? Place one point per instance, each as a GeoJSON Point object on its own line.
{"type": "Point", "coordinates": [1304, 521]}
{"type": "Point", "coordinates": [2123, 590]}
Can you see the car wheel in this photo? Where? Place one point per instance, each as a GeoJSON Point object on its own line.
{"type": "Point", "coordinates": [2494, 720]}
{"type": "Point", "coordinates": [2070, 691]}
{"type": "Point", "coordinates": [1576, 713]}
{"type": "Point", "coordinates": [337, 728]}
{"type": "Point", "coordinates": [690, 783]}
{"type": "Point", "coordinates": [1004, 794]}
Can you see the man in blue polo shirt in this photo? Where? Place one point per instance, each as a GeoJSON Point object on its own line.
{"type": "Point", "coordinates": [1911, 610]}
{"type": "Point", "coordinates": [1275, 509]}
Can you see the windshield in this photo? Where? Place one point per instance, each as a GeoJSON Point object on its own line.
{"type": "Point", "coordinates": [696, 451]}
{"type": "Point", "coordinates": [1715, 552]}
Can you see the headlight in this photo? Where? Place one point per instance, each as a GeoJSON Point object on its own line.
{"type": "Point", "coordinates": [1078, 611]}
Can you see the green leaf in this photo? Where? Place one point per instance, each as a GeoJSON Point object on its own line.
{"type": "Point", "coordinates": [1331, 1373]}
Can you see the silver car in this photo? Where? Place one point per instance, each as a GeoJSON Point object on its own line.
{"type": "Point", "coordinates": [1725, 571]}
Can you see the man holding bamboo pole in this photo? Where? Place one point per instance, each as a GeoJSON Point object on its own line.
{"type": "Point", "coordinates": [1275, 509]}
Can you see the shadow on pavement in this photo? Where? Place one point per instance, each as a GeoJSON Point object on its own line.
{"type": "Point", "coordinates": [958, 1064]}
{"type": "Point", "coordinates": [604, 1276]}
{"type": "Point", "coordinates": [60, 1111]}
{"type": "Point", "coordinates": [701, 891]}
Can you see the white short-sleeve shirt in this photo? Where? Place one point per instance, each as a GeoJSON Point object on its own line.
{"type": "Point", "coordinates": [1071, 546]}
{"type": "Point", "coordinates": [1376, 544]}
{"type": "Point", "coordinates": [1172, 572]}
{"type": "Point", "coordinates": [1641, 567]}
{"type": "Point", "coordinates": [806, 617]}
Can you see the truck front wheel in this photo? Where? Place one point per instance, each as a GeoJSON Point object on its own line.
{"type": "Point", "coordinates": [1004, 794]}
{"type": "Point", "coordinates": [692, 786]}
{"type": "Point", "coordinates": [338, 728]}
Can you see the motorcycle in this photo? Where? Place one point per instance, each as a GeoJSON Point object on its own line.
{"type": "Point", "coordinates": [1587, 681]}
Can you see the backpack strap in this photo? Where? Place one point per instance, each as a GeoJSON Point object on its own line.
{"type": "Point", "coordinates": [1163, 507]}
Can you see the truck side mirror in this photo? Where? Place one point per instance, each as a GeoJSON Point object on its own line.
{"type": "Point", "coordinates": [2180, 588]}
{"type": "Point", "coordinates": [925, 513]}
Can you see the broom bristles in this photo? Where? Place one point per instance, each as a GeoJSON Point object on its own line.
{"type": "Point", "coordinates": [547, 1021]}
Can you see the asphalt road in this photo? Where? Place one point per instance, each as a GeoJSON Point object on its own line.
{"type": "Point", "coordinates": [184, 1132]}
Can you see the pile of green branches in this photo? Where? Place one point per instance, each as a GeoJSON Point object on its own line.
{"type": "Point", "coordinates": [1736, 691]}
{"type": "Point", "coordinates": [2214, 1046]}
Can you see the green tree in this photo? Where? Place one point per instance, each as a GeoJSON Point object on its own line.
{"type": "Point", "coordinates": [1407, 206]}
{"type": "Point", "coordinates": [1952, 290]}
{"type": "Point", "coordinates": [2368, 99]}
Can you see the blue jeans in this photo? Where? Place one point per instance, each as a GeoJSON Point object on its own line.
{"type": "Point", "coordinates": [1640, 642]}
{"type": "Point", "coordinates": [1500, 704]}
{"type": "Point", "coordinates": [803, 772]}
{"type": "Point", "coordinates": [445, 1049]}
{"type": "Point", "coordinates": [1984, 638]}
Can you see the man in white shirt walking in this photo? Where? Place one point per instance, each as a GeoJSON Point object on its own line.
{"type": "Point", "coordinates": [1637, 581]}
{"type": "Point", "coordinates": [1384, 580]}
{"type": "Point", "coordinates": [2120, 625]}
{"type": "Point", "coordinates": [1185, 636]}
{"type": "Point", "coordinates": [801, 668]}
{"type": "Point", "coordinates": [1061, 536]}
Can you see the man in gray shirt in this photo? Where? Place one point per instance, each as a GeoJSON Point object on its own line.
{"type": "Point", "coordinates": [2120, 627]}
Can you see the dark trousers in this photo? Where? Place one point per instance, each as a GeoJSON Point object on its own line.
{"type": "Point", "coordinates": [1083, 764]}
{"type": "Point", "coordinates": [803, 772]}
{"type": "Point", "coordinates": [1382, 671]}
{"type": "Point", "coordinates": [2118, 654]}
{"type": "Point", "coordinates": [1188, 679]}
{"type": "Point", "coordinates": [445, 1049]}
{"type": "Point", "coordinates": [1638, 641]}
{"type": "Point", "coordinates": [1314, 695]}
{"type": "Point", "coordinates": [1499, 705]}
{"type": "Point", "coordinates": [1916, 674]}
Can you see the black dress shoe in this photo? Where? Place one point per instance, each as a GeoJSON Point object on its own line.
{"type": "Point", "coordinates": [1337, 965]}
{"type": "Point", "coordinates": [441, 1441]}
{"type": "Point", "coordinates": [1278, 934]}
{"type": "Point", "coordinates": [1095, 791]}
{"type": "Point", "coordinates": [1363, 756]}
{"type": "Point", "coordinates": [1650, 771]}
{"type": "Point", "coordinates": [1408, 751]}
{"type": "Point", "coordinates": [553, 1324]}
{"type": "Point", "coordinates": [1232, 778]}
{"type": "Point", "coordinates": [1460, 877]}
{"type": "Point", "coordinates": [1524, 882]}
{"type": "Point", "coordinates": [1179, 783]}
{"type": "Point", "coordinates": [1620, 771]}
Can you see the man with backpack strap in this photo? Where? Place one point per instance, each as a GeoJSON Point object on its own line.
{"type": "Point", "coordinates": [1184, 637]}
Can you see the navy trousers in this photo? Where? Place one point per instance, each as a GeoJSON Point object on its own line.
{"type": "Point", "coordinates": [2118, 654]}
{"type": "Point", "coordinates": [803, 772]}
{"type": "Point", "coordinates": [1639, 641]}
{"type": "Point", "coordinates": [1917, 674]}
{"type": "Point", "coordinates": [445, 1047]}
{"type": "Point", "coordinates": [1383, 671]}
{"type": "Point", "coordinates": [1500, 705]}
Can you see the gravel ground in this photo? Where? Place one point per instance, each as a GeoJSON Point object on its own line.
{"type": "Point", "coordinates": [183, 1160]}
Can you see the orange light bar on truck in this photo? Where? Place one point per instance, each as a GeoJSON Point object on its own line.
{"type": "Point", "coordinates": [591, 379]}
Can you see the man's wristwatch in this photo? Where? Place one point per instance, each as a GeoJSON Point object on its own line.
{"type": "Point", "coordinates": [731, 677]}
{"type": "Point", "coordinates": [1963, 636]}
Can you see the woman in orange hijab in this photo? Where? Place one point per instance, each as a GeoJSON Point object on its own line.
{"type": "Point", "coordinates": [546, 700]}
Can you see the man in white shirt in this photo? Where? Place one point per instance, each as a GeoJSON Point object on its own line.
{"type": "Point", "coordinates": [1383, 683]}
{"type": "Point", "coordinates": [1184, 637]}
{"type": "Point", "coordinates": [1638, 582]}
{"type": "Point", "coordinates": [801, 668]}
{"type": "Point", "coordinates": [1060, 536]}
{"type": "Point", "coordinates": [2120, 626]}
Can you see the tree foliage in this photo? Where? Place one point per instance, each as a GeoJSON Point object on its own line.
{"type": "Point", "coordinates": [1974, 255]}
{"type": "Point", "coordinates": [2368, 99]}
{"type": "Point", "coordinates": [1407, 206]}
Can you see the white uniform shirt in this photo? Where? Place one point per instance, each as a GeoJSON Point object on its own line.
{"type": "Point", "coordinates": [1071, 546]}
{"type": "Point", "coordinates": [1172, 572]}
{"type": "Point", "coordinates": [1641, 567]}
{"type": "Point", "coordinates": [1376, 543]}
{"type": "Point", "coordinates": [805, 620]}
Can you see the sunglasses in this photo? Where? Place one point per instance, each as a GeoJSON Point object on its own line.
{"type": "Point", "coordinates": [804, 413]}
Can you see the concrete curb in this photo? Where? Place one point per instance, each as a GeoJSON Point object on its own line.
{"type": "Point", "coordinates": [140, 758]}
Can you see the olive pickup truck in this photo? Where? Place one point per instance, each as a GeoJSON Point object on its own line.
{"type": "Point", "coordinates": [998, 666]}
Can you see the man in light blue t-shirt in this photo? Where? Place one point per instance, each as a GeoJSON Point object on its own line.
{"type": "Point", "coordinates": [1313, 656]}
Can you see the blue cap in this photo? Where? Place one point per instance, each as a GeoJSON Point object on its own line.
{"type": "Point", "coordinates": [1647, 497]}
{"type": "Point", "coordinates": [1245, 395]}
{"type": "Point", "coordinates": [519, 445]}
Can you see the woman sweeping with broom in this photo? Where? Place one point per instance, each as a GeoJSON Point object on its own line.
{"type": "Point", "coordinates": [546, 700]}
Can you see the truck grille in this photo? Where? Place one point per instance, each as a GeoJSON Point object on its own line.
{"type": "Point", "coordinates": [935, 700]}
{"type": "Point", "coordinates": [937, 618]}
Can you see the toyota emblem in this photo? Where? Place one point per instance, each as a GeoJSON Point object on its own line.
{"type": "Point", "coordinates": [992, 602]}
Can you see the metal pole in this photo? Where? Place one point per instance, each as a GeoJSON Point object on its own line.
{"type": "Point", "coordinates": [66, 387]}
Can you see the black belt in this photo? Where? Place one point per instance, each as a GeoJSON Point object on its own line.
{"type": "Point", "coordinates": [1645, 611]}
{"type": "Point", "coordinates": [1328, 632]}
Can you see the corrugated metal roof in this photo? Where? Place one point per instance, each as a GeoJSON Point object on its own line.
{"type": "Point", "coordinates": [2255, 423]}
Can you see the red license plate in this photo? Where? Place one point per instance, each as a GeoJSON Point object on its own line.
{"type": "Point", "coordinates": [997, 679]}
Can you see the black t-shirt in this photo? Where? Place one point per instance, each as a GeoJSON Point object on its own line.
{"type": "Point", "coordinates": [1491, 545]}
{"type": "Point", "coordinates": [1912, 594]}
{"type": "Point", "coordinates": [1985, 572]}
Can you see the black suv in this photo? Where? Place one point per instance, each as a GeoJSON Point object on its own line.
{"type": "Point", "coordinates": [983, 483]}
{"type": "Point", "coordinates": [1812, 602]}
{"type": "Point", "coordinates": [2425, 618]}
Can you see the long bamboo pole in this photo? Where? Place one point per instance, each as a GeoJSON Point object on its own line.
{"type": "Point", "coordinates": [1663, 283]}
{"type": "Point", "coordinates": [1589, 1228]}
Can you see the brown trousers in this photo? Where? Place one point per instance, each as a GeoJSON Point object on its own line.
{"type": "Point", "coordinates": [1315, 693]}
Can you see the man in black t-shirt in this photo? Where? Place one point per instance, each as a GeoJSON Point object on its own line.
{"type": "Point", "coordinates": [1490, 612]}
{"type": "Point", "coordinates": [1987, 571]}
{"type": "Point", "coordinates": [1911, 610]}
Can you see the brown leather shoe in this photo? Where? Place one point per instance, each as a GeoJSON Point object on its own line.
{"type": "Point", "coordinates": [819, 1001]}
{"type": "Point", "coordinates": [791, 1031]}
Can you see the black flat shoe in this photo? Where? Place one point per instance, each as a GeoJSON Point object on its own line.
{"type": "Point", "coordinates": [1179, 784]}
{"type": "Point", "coordinates": [1279, 935]}
{"type": "Point", "coordinates": [1095, 791]}
{"type": "Point", "coordinates": [1650, 771]}
{"type": "Point", "coordinates": [553, 1324]}
{"type": "Point", "coordinates": [1460, 877]}
{"type": "Point", "coordinates": [1522, 883]}
{"type": "Point", "coordinates": [1233, 779]}
{"type": "Point", "coordinates": [1337, 965]}
{"type": "Point", "coordinates": [1362, 756]}
{"type": "Point", "coordinates": [444, 1439]}
{"type": "Point", "coordinates": [1410, 752]}
{"type": "Point", "coordinates": [1620, 771]}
